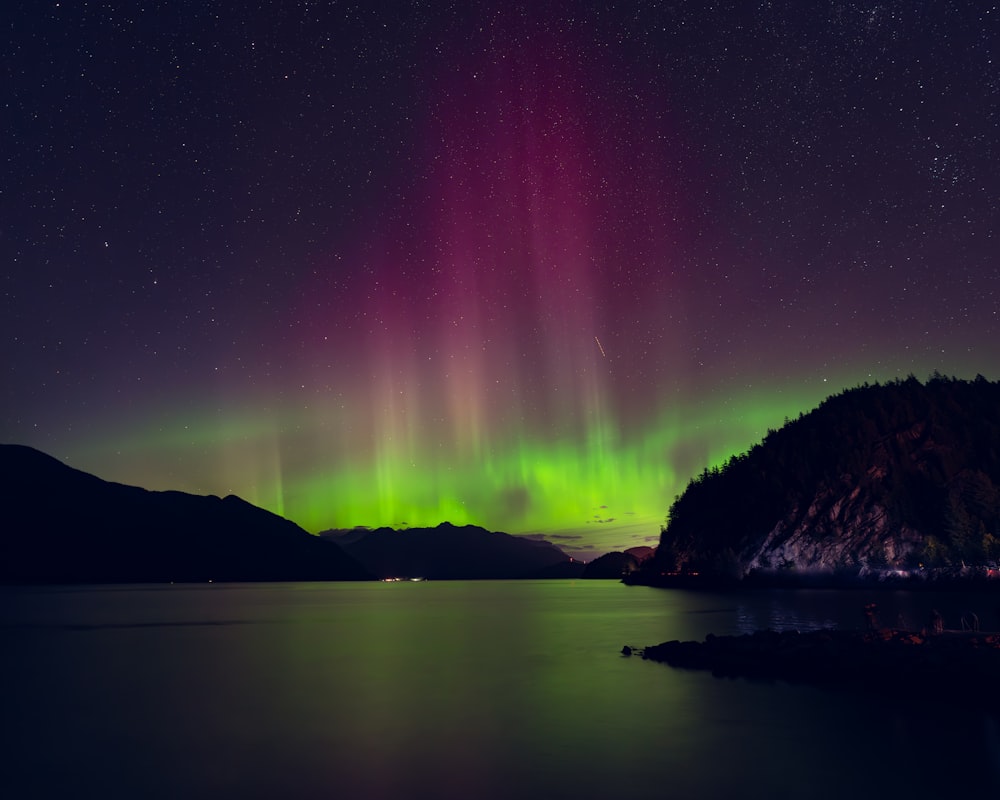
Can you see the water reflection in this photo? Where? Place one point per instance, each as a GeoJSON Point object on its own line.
{"type": "Point", "coordinates": [492, 689]}
{"type": "Point", "coordinates": [848, 610]}
{"type": "Point", "coordinates": [778, 614]}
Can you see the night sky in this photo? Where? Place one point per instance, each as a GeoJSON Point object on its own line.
{"type": "Point", "coordinates": [528, 268]}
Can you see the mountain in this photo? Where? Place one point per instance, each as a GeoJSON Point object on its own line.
{"type": "Point", "coordinates": [641, 552]}
{"type": "Point", "coordinates": [611, 565]}
{"type": "Point", "coordinates": [617, 564]}
{"type": "Point", "coordinates": [61, 525]}
{"type": "Point", "coordinates": [450, 552]}
{"type": "Point", "coordinates": [879, 479]}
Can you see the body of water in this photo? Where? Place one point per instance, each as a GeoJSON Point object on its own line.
{"type": "Point", "coordinates": [453, 690]}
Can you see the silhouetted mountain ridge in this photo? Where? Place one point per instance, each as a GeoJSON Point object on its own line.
{"type": "Point", "coordinates": [617, 564]}
{"type": "Point", "coordinates": [451, 552]}
{"type": "Point", "coordinates": [62, 525]}
{"type": "Point", "coordinates": [877, 478]}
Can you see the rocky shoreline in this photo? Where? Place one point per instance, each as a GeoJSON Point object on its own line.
{"type": "Point", "coordinates": [936, 580]}
{"type": "Point", "coordinates": [955, 667]}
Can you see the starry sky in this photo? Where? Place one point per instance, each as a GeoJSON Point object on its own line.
{"type": "Point", "coordinates": [530, 266]}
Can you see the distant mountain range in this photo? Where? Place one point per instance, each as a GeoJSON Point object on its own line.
{"type": "Point", "coordinates": [900, 479]}
{"type": "Point", "coordinates": [449, 552]}
{"type": "Point", "coordinates": [61, 525]}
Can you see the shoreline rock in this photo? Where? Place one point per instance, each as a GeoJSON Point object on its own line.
{"type": "Point", "coordinates": [954, 667]}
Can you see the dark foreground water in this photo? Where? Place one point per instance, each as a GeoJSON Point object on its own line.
{"type": "Point", "coordinates": [451, 690]}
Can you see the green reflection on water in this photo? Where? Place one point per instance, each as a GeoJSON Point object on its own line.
{"type": "Point", "coordinates": [490, 689]}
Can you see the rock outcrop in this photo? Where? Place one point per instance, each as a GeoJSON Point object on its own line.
{"type": "Point", "coordinates": [918, 667]}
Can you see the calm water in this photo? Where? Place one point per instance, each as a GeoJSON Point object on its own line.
{"type": "Point", "coordinates": [451, 690]}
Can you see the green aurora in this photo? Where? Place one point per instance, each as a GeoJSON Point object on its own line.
{"type": "Point", "coordinates": [607, 490]}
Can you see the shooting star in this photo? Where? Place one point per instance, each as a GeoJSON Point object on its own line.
{"type": "Point", "coordinates": [600, 347]}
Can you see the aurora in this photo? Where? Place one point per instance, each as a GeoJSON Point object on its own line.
{"type": "Point", "coordinates": [527, 268]}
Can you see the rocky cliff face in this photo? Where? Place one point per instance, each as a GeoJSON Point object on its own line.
{"type": "Point", "coordinates": [844, 527]}
{"type": "Point", "coordinates": [834, 535]}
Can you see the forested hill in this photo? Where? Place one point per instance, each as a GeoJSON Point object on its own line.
{"type": "Point", "coordinates": [876, 478]}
